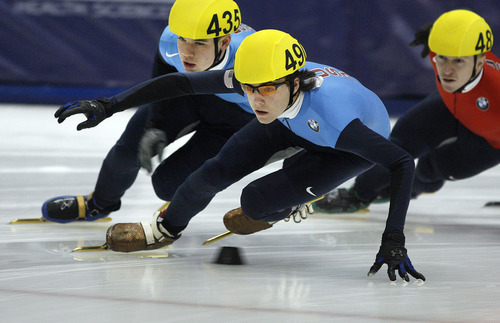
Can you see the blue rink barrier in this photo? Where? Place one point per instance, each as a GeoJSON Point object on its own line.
{"type": "Point", "coordinates": [31, 94]}
{"type": "Point", "coordinates": [89, 48]}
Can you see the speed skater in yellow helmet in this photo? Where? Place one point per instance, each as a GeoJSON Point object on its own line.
{"type": "Point", "coordinates": [268, 55]}
{"type": "Point", "coordinates": [460, 33]}
{"type": "Point", "coordinates": [204, 19]}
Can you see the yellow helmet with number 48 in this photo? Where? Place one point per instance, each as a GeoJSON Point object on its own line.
{"type": "Point", "coordinates": [268, 55]}
{"type": "Point", "coordinates": [204, 19]}
{"type": "Point", "coordinates": [460, 33]}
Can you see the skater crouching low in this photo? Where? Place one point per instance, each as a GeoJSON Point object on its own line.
{"type": "Point", "coordinates": [341, 126]}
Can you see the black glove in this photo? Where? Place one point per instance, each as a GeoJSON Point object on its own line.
{"type": "Point", "coordinates": [422, 38]}
{"type": "Point", "coordinates": [152, 143]}
{"type": "Point", "coordinates": [95, 111]}
{"type": "Point", "coordinates": [393, 253]}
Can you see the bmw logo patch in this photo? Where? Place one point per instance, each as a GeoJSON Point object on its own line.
{"type": "Point", "coordinates": [313, 124]}
{"type": "Point", "coordinates": [482, 103]}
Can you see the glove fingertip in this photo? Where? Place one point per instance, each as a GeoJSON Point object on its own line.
{"type": "Point", "coordinates": [81, 126]}
{"type": "Point", "coordinates": [420, 276]}
{"type": "Point", "coordinates": [373, 270]}
{"type": "Point", "coordinates": [416, 274]}
{"type": "Point", "coordinates": [392, 274]}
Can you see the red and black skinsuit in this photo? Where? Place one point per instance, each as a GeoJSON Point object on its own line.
{"type": "Point", "coordinates": [454, 135]}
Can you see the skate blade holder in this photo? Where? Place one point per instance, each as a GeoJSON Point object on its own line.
{"type": "Point", "coordinates": [43, 220]}
{"type": "Point", "coordinates": [218, 237]}
{"type": "Point", "coordinates": [91, 248]}
{"type": "Point", "coordinates": [104, 247]}
{"type": "Point", "coordinates": [228, 233]}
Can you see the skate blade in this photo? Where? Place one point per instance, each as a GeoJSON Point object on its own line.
{"type": "Point", "coordinates": [43, 220]}
{"type": "Point", "coordinates": [108, 255]}
{"type": "Point", "coordinates": [91, 248]}
{"type": "Point", "coordinates": [228, 233]}
{"type": "Point", "coordinates": [99, 248]}
{"type": "Point", "coordinates": [217, 238]}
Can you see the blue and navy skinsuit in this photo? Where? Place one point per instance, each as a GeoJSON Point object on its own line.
{"type": "Point", "coordinates": [213, 118]}
{"type": "Point", "coordinates": [341, 126]}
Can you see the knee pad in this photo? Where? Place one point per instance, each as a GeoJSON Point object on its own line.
{"type": "Point", "coordinates": [427, 170]}
{"type": "Point", "coordinates": [162, 185]}
{"type": "Point", "coordinates": [255, 205]}
{"type": "Point", "coordinates": [428, 177]}
{"type": "Point", "coordinates": [252, 202]}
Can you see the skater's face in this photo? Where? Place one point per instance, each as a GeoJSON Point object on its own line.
{"type": "Point", "coordinates": [455, 72]}
{"type": "Point", "coordinates": [199, 54]}
{"type": "Point", "coordinates": [269, 100]}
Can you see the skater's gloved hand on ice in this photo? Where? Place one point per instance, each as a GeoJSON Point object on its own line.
{"type": "Point", "coordinates": [95, 111]}
{"type": "Point", "coordinates": [152, 144]}
{"type": "Point", "coordinates": [393, 253]}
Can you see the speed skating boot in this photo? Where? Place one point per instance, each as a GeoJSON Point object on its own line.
{"type": "Point", "coordinates": [341, 200]}
{"type": "Point", "coordinates": [237, 222]}
{"type": "Point", "coordinates": [70, 208]}
{"type": "Point", "coordinates": [129, 237]}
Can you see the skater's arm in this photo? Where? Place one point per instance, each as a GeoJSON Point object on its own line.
{"type": "Point", "coordinates": [160, 88]}
{"type": "Point", "coordinates": [175, 85]}
{"type": "Point", "coordinates": [157, 89]}
{"type": "Point", "coordinates": [359, 139]}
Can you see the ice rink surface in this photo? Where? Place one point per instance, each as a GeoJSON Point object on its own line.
{"type": "Point", "coordinates": [314, 271]}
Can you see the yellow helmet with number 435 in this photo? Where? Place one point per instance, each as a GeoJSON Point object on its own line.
{"type": "Point", "coordinates": [204, 19]}
{"type": "Point", "coordinates": [268, 55]}
{"type": "Point", "coordinates": [460, 33]}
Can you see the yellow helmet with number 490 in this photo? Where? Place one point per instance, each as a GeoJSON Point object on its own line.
{"type": "Point", "coordinates": [268, 55]}
{"type": "Point", "coordinates": [460, 33]}
{"type": "Point", "coordinates": [204, 19]}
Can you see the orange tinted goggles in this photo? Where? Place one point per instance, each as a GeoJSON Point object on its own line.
{"type": "Point", "coordinates": [264, 90]}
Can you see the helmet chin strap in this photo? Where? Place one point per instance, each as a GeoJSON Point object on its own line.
{"type": "Point", "coordinates": [290, 101]}
{"type": "Point", "coordinates": [472, 78]}
{"type": "Point", "coordinates": [218, 54]}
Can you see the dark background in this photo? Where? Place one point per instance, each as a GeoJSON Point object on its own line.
{"type": "Point", "coordinates": [53, 51]}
